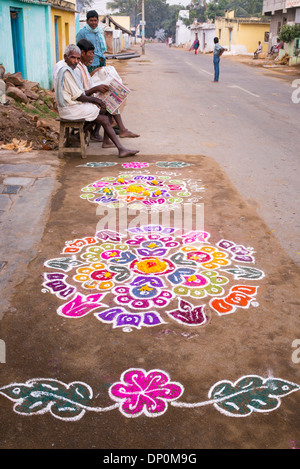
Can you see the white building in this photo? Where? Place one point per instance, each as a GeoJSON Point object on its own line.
{"type": "Point", "coordinates": [183, 32]}
{"type": "Point", "coordinates": [206, 34]}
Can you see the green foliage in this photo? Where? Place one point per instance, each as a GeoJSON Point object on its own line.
{"type": "Point", "coordinates": [41, 110]}
{"type": "Point", "coordinates": [126, 8]}
{"type": "Point", "coordinates": [242, 8]}
{"type": "Point", "coordinates": [197, 11]}
{"type": "Point", "coordinates": [169, 24]}
{"type": "Point", "coordinates": [217, 8]}
{"type": "Point", "coordinates": [288, 33]}
{"type": "Point", "coordinates": [158, 14]}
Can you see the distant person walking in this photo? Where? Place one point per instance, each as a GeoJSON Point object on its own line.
{"type": "Point", "coordinates": [218, 51]}
{"type": "Point", "coordinates": [195, 45]}
{"type": "Point", "coordinates": [95, 34]}
{"type": "Point", "coordinates": [170, 41]}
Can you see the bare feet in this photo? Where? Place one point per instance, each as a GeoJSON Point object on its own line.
{"type": "Point", "coordinates": [127, 134]}
{"type": "Point", "coordinates": [97, 138]}
{"type": "Point", "coordinates": [108, 145]}
{"type": "Point", "coordinates": [124, 153]}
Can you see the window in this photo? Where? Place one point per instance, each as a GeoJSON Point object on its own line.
{"type": "Point", "coordinates": [267, 35]}
{"type": "Point", "coordinates": [278, 27]}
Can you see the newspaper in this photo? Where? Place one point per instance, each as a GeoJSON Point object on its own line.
{"type": "Point", "coordinates": [115, 96]}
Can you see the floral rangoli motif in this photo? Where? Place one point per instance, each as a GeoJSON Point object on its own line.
{"type": "Point", "coordinates": [151, 276]}
{"type": "Point", "coordinates": [145, 393]}
{"type": "Point", "coordinates": [143, 191]}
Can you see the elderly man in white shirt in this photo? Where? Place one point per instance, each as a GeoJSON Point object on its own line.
{"type": "Point", "coordinates": [74, 104]}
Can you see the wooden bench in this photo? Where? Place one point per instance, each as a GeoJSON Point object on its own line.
{"type": "Point", "coordinates": [65, 145]}
{"type": "Point", "coordinates": [261, 55]}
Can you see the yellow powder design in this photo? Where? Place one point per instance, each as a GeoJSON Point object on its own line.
{"type": "Point", "coordinates": [151, 266]}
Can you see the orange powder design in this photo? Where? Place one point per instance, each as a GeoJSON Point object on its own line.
{"type": "Point", "coordinates": [151, 266]}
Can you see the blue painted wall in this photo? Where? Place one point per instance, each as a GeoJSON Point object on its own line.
{"type": "Point", "coordinates": [35, 21]}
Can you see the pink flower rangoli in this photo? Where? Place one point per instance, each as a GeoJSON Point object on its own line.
{"type": "Point", "coordinates": [140, 392]}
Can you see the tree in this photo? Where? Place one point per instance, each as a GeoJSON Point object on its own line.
{"type": "Point", "coordinates": [217, 8]}
{"type": "Point", "coordinates": [289, 32]}
{"type": "Point", "coordinates": [169, 24]}
{"type": "Point", "coordinates": [197, 10]}
{"type": "Point", "coordinates": [156, 13]}
{"type": "Point", "coordinates": [242, 8]}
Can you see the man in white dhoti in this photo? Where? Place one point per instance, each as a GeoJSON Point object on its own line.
{"type": "Point", "coordinates": [74, 104]}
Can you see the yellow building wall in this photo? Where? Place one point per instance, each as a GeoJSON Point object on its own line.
{"type": "Point", "coordinates": [66, 30]}
{"type": "Point", "coordinates": [250, 34]}
{"type": "Point", "coordinates": [243, 34]}
{"type": "Point", "coordinates": [223, 31]}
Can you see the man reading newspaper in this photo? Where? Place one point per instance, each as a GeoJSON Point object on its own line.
{"type": "Point", "coordinates": [111, 90]}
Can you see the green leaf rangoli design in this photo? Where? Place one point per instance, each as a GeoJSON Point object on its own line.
{"type": "Point", "coordinates": [38, 396]}
{"type": "Point", "coordinates": [145, 393]}
{"type": "Point", "coordinates": [248, 394]}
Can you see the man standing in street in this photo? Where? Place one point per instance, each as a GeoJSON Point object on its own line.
{"type": "Point", "coordinates": [218, 51]}
{"type": "Point", "coordinates": [95, 34]}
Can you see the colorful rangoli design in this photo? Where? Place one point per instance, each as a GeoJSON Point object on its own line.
{"type": "Point", "coordinates": [137, 164]}
{"type": "Point", "coordinates": [140, 191]}
{"type": "Point", "coordinates": [145, 393]}
{"type": "Point", "coordinates": [152, 276]}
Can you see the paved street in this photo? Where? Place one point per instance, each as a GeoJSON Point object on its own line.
{"type": "Point", "coordinates": [118, 338]}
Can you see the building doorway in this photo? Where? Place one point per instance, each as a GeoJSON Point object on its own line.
{"type": "Point", "coordinates": [56, 35]}
{"type": "Point", "coordinates": [16, 19]}
{"type": "Point", "coordinates": [230, 38]}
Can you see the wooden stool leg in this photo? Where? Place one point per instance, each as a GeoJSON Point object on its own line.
{"type": "Point", "coordinates": [61, 140]}
{"type": "Point", "coordinates": [82, 142]}
{"type": "Point", "coordinates": [66, 130]}
{"type": "Point", "coordinates": [67, 136]}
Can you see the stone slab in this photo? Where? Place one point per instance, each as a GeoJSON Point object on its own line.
{"type": "Point", "coordinates": [24, 168]}
{"type": "Point", "coordinates": [18, 181]}
{"type": "Point", "coordinates": [5, 202]}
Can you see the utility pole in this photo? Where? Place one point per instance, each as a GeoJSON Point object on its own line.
{"type": "Point", "coordinates": [143, 27]}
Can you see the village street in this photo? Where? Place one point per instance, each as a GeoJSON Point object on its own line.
{"type": "Point", "coordinates": [132, 335]}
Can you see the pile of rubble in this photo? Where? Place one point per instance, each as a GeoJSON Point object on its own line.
{"type": "Point", "coordinates": [284, 60]}
{"type": "Point", "coordinates": [27, 113]}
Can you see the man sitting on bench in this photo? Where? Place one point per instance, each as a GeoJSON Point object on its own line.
{"type": "Point", "coordinates": [73, 104]}
{"type": "Point", "coordinates": [95, 87]}
{"type": "Point", "coordinates": [258, 50]}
